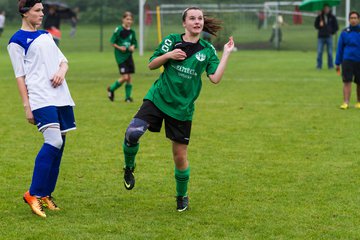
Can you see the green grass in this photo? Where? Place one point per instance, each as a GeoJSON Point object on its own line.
{"type": "Point", "coordinates": [272, 156]}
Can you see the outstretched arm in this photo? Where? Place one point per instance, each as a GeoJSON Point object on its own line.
{"type": "Point", "coordinates": [25, 99]}
{"type": "Point", "coordinates": [228, 47]}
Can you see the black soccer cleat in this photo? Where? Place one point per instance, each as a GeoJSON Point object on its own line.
{"type": "Point", "coordinates": [129, 100]}
{"type": "Point", "coordinates": [111, 94]}
{"type": "Point", "coordinates": [182, 203]}
{"type": "Point", "coordinates": [129, 178]}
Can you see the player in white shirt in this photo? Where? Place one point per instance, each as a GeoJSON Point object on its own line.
{"type": "Point", "coordinates": [40, 69]}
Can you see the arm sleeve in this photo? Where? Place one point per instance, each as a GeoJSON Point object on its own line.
{"type": "Point", "coordinates": [134, 41]}
{"type": "Point", "coordinates": [213, 62]}
{"type": "Point", "coordinates": [317, 22]}
{"type": "Point", "coordinates": [62, 58]}
{"type": "Point", "coordinates": [113, 38]}
{"type": "Point", "coordinates": [336, 25]}
{"type": "Point", "coordinates": [340, 50]}
{"type": "Point", "coordinates": [165, 46]}
{"type": "Point", "coordinates": [17, 55]}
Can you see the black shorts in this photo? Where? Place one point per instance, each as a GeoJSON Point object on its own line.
{"type": "Point", "coordinates": [127, 67]}
{"type": "Point", "coordinates": [177, 131]}
{"type": "Point", "coordinates": [351, 71]}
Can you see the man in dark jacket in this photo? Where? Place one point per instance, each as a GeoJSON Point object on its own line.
{"type": "Point", "coordinates": [326, 24]}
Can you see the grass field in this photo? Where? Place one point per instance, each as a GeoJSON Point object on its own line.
{"type": "Point", "coordinates": [272, 156]}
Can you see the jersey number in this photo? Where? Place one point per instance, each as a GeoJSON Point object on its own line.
{"type": "Point", "coordinates": [166, 46]}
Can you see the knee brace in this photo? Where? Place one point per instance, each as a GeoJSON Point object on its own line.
{"type": "Point", "coordinates": [135, 130]}
{"type": "Point", "coordinates": [52, 136]}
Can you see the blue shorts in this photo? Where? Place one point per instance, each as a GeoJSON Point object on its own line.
{"type": "Point", "coordinates": [51, 115]}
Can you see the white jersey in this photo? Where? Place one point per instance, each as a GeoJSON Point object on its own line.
{"type": "Point", "coordinates": [2, 21]}
{"type": "Point", "coordinates": [35, 56]}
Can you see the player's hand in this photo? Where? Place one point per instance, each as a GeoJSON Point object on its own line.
{"type": "Point", "coordinates": [122, 48]}
{"type": "Point", "coordinates": [58, 78]}
{"type": "Point", "coordinates": [132, 48]}
{"type": "Point", "coordinates": [338, 71]}
{"type": "Point", "coordinates": [229, 46]}
{"type": "Point", "coordinates": [28, 114]}
{"type": "Point", "coordinates": [177, 54]}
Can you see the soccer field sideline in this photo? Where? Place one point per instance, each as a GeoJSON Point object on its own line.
{"type": "Point", "coordinates": [272, 157]}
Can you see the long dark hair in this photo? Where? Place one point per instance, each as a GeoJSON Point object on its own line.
{"type": "Point", "coordinates": [211, 25]}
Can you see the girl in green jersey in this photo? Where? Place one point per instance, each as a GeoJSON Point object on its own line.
{"type": "Point", "coordinates": [124, 42]}
{"type": "Point", "coordinates": [171, 98]}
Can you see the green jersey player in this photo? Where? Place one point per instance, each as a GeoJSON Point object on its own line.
{"type": "Point", "coordinates": [124, 42]}
{"type": "Point", "coordinates": [171, 98]}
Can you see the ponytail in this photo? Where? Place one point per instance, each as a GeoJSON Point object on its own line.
{"type": "Point", "coordinates": [212, 25]}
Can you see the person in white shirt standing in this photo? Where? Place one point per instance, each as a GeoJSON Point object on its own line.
{"type": "Point", "coordinates": [40, 69]}
{"type": "Point", "coordinates": [2, 22]}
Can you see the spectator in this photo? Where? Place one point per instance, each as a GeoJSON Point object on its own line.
{"type": "Point", "coordinates": [73, 20]}
{"type": "Point", "coordinates": [276, 29]}
{"type": "Point", "coordinates": [327, 25]}
{"type": "Point", "coordinates": [261, 19]}
{"type": "Point", "coordinates": [2, 22]}
{"type": "Point", "coordinates": [297, 17]}
{"type": "Point", "coordinates": [148, 16]}
{"type": "Point", "coordinates": [348, 56]}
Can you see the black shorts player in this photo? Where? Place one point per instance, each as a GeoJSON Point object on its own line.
{"type": "Point", "coordinates": [348, 56]}
{"type": "Point", "coordinates": [124, 42]}
{"type": "Point", "coordinates": [184, 56]}
{"type": "Point", "coordinates": [351, 71]}
{"type": "Point", "coordinates": [127, 67]}
{"type": "Point", "coordinates": [175, 130]}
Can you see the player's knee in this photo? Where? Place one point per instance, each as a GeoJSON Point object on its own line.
{"type": "Point", "coordinates": [52, 136]}
{"type": "Point", "coordinates": [135, 130]}
{"type": "Point", "coordinates": [126, 77]}
{"type": "Point", "coordinates": [180, 158]}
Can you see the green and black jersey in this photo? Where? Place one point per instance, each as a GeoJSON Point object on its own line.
{"type": "Point", "coordinates": [177, 88]}
{"type": "Point", "coordinates": [123, 37]}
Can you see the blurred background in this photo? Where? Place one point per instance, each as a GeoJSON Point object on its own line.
{"type": "Point", "coordinates": [251, 22]}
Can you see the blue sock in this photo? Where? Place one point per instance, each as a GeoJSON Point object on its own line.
{"type": "Point", "coordinates": [54, 171]}
{"type": "Point", "coordinates": [43, 163]}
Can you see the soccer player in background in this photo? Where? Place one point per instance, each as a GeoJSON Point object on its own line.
{"type": "Point", "coordinates": [171, 98]}
{"type": "Point", "coordinates": [124, 42]}
{"type": "Point", "coordinates": [40, 69]}
{"type": "Point", "coordinates": [2, 22]}
{"type": "Point", "coordinates": [52, 23]}
{"type": "Point", "coordinates": [348, 56]}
